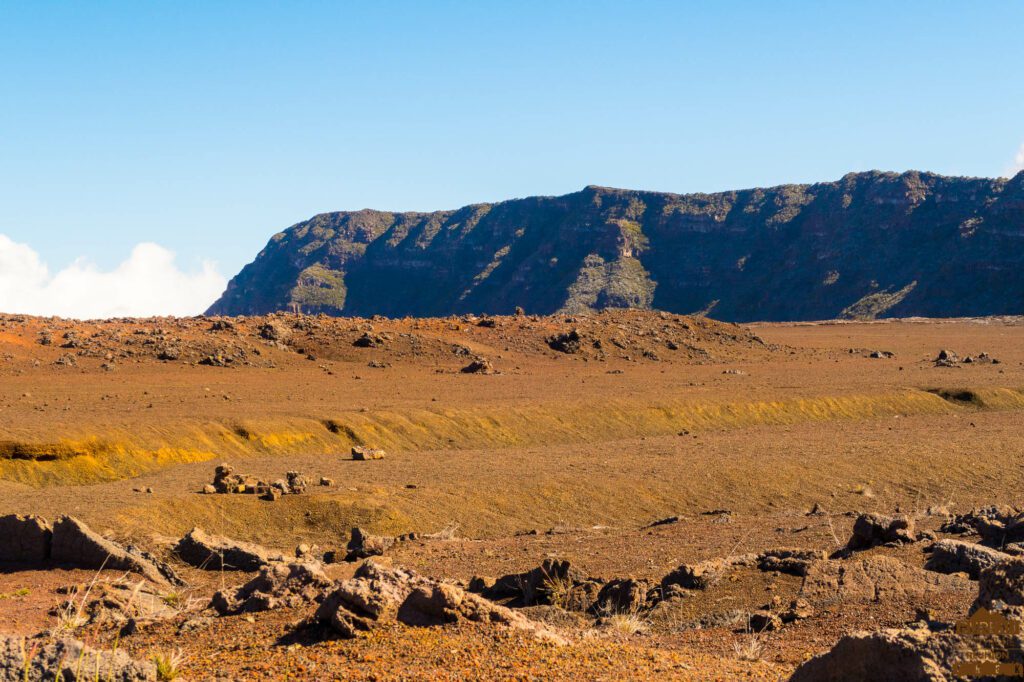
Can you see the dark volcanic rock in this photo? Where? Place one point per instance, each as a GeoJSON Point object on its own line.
{"type": "Point", "coordinates": [954, 556]}
{"type": "Point", "coordinates": [76, 544]}
{"type": "Point", "coordinates": [870, 530]}
{"type": "Point", "coordinates": [212, 552]}
{"type": "Point", "coordinates": [65, 658]}
{"type": "Point", "coordinates": [867, 245]}
{"type": "Point", "coordinates": [24, 539]}
{"type": "Point", "coordinates": [277, 586]}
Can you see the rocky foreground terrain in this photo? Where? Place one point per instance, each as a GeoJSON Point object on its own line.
{"type": "Point", "coordinates": [608, 496]}
{"type": "Point", "coordinates": [869, 245]}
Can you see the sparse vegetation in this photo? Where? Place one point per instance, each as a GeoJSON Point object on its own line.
{"type": "Point", "coordinates": [168, 665]}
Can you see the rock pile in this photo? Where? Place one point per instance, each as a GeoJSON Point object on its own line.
{"type": "Point", "coordinates": [377, 595]}
{"type": "Point", "coordinates": [226, 481]}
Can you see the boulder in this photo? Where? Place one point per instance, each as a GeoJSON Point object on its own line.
{"type": "Point", "coordinates": [24, 539]}
{"type": "Point", "coordinates": [214, 553]}
{"type": "Point", "coordinates": [621, 595]}
{"type": "Point", "coordinates": [75, 544]}
{"type": "Point", "coordinates": [370, 598]}
{"type": "Point", "coordinates": [362, 545]}
{"type": "Point", "coordinates": [764, 620]}
{"type": "Point", "coordinates": [361, 453]}
{"type": "Point", "coordinates": [566, 342]}
{"type": "Point", "coordinates": [871, 530]}
{"type": "Point", "coordinates": [68, 659]}
{"type": "Point", "coordinates": [869, 657]}
{"type": "Point", "coordinates": [955, 556]}
{"type": "Point", "coordinates": [277, 586]}
{"type": "Point", "coordinates": [225, 480]}
{"type": "Point", "coordinates": [874, 579]}
{"type": "Point", "coordinates": [296, 482]}
{"type": "Point", "coordinates": [538, 585]}
{"type": "Point", "coordinates": [479, 366]}
{"type": "Point", "coordinates": [368, 340]}
{"type": "Point", "coordinates": [1001, 587]}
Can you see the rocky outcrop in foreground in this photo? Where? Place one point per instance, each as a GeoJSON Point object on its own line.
{"type": "Point", "coordinates": [68, 659]}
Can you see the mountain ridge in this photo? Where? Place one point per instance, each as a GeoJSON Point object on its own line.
{"type": "Point", "coordinates": [872, 244]}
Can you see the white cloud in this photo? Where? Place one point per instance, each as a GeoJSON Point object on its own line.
{"type": "Point", "coordinates": [147, 283]}
{"type": "Point", "coordinates": [1018, 163]}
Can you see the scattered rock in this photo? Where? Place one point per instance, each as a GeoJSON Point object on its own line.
{"type": "Point", "coordinates": [214, 553]}
{"type": "Point", "coordinates": [787, 560]}
{"type": "Point", "coordinates": [703, 574]}
{"type": "Point", "coordinates": [378, 595]}
{"type": "Point", "coordinates": [896, 654]}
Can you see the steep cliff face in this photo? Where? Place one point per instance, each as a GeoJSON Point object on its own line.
{"type": "Point", "coordinates": [870, 245]}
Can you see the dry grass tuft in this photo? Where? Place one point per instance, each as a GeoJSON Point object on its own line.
{"type": "Point", "coordinates": [168, 665]}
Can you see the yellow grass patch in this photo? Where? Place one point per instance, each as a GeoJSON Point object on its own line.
{"type": "Point", "coordinates": [125, 454]}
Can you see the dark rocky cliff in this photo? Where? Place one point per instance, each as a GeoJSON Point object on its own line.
{"type": "Point", "coordinates": [869, 245]}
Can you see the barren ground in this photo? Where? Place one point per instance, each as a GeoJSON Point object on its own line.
{"type": "Point", "coordinates": [567, 455]}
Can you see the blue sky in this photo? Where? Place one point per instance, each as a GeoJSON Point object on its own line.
{"type": "Point", "coordinates": [206, 127]}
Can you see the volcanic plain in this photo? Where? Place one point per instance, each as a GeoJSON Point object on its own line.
{"type": "Point", "coordinates": [637, 494]}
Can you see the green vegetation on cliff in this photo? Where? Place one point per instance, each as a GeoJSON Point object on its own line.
{"type": "Point", "coordinates": [868, 245]}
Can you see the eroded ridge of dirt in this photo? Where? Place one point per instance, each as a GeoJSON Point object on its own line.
{"type": "Point", "coordinates": [578, 510]}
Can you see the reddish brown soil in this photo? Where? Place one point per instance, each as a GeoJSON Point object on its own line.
{"type": "Point", "coordinates": [585, 448]}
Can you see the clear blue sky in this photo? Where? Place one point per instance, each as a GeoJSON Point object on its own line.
{"type": "Point", "coordinates": [208, 126]}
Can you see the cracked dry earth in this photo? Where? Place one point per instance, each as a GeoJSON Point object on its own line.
{"type": "Point", "coordinates": [532, 484]}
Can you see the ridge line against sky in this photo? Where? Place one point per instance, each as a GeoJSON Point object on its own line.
{"type": "Point", "coordinates": [207, 128]}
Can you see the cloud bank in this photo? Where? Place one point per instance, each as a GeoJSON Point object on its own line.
{"type": "Point", "coordinates": [1018, 163]}
{"type": "Point", "coordinates": [147, 283]}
